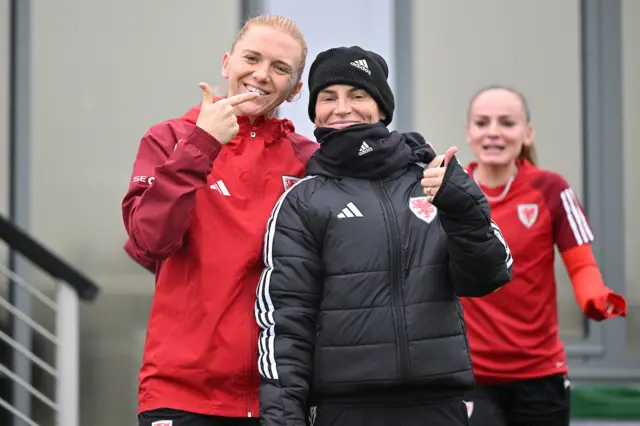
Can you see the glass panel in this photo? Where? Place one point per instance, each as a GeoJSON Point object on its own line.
{"type": "Point", "coordinates": [631, 98]}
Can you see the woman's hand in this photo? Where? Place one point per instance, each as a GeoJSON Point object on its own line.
{"type": "Point", "coordinates": [434, 173]}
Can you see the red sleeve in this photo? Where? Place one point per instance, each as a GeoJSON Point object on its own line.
{"type": "Point", "coordinates": [596, 300]}
{"type": "Point", "coordinates": [140, 259]}
{"type": "Point", "coordinates": [570, 225]}
{"type": "Point", "coordinates": [161, 197]}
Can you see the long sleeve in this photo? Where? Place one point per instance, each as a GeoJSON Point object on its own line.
{"type": "Point", "coordinates": [142, 260]}
{"type": "Point", "coordinates": [573, 236]}
{"type": "Point", "coordinates": [287, 305]}
{"type": "Point", "coordinates": [480, 261]}
{"type": "Point", "coordinates": [592, 295]}
{"type": "Point", "coordinates": [161, 196]}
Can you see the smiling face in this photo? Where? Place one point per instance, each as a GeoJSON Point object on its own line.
{"type": "Point", "coordinates": [498, 127]}
{"type": "Point", "coordinates": [340, 105]}
{"type": "Point", "coordinates": [267, 61]}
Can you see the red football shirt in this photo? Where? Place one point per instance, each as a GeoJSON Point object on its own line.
{"type": "Point", "coordinates": [513, 332]}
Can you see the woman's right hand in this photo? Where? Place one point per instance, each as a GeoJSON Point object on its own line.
{"type": "Point", "coordinates": [218, 118]}
{"type": "Point", "coordinates": [433, 174]}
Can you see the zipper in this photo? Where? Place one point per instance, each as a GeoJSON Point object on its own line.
{"type": "Point", "coordinates": [396, 278]}
{"type": "Point", "coordinates": [252, 335]}
{"type": "Point", "coordinates": [252, 148]}
{"type": "Point", "coordinates": [253, 363]}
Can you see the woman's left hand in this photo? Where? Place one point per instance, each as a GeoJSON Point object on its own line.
{"type": "Point", "coordinates": [434, 173]}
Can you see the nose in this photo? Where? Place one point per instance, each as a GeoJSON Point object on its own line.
{"type": "Point", "coordinates": [261, 71]}
{"type": "Point", "coordinates": [492, 129]}
{"type": "Point", "coordinates": [343, 107]}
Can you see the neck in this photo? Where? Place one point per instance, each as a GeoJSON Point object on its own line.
{"type": "Point", "coordinates": [494, 176]}
{"type": "Point", "coordinates": [253, 118]}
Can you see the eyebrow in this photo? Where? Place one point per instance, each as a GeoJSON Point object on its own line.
{"type": "Point", "coordinates": [279, 61]}
{"type": "Point", "coordinates": [333, 92]}
{"type": "Point", "coordinates": [499, 116]}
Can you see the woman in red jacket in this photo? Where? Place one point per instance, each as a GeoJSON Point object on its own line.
{"type": "Point", "coordinates": [201, 192]}
{"type": "Point", "coordinates": [517, 355]}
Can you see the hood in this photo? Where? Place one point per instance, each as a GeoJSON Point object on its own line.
{"type": "Point", "coordinates": [191, 116]}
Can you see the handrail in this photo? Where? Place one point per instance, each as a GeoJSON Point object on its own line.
{"type": "Point", "coordinates": [39, 255]}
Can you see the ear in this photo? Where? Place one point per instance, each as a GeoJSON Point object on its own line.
{"type": "Point", "coordinates": [529, 135]}
{"type": "Point", "coordinates": [225, 65]}
{"type": "Point", "coordinates": [296, 89]}
{"type": "Point", "coordinates": [467, 134]}
{"type": "Point", "coordinates": [382, 115]}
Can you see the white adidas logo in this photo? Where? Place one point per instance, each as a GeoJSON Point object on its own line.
{"type": "Point", "coordinates": [364, 149]}
{"type": "Point", "coordinates": [362, 64]}
{"type": "Point", "coordinates": [221, 188]}
{"type": "Point", "coordinates": [350, 211]}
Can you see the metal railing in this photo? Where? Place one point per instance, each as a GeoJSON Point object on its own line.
{"type": "Point", "coordinates": [62, 303]}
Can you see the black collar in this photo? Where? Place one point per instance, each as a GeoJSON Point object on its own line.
{"type": "Point", "coordinates": [364, 151]}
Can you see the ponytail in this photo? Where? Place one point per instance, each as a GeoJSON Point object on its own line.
{"type": "Point", "coordinates": [528, 152]}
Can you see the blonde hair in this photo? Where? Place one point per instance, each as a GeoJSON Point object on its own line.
{"type": "Point", "coordinates": [281, 23]}
{"type": "Point", "coordinates": [528, 152]}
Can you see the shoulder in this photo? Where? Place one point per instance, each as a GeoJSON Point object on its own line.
{"type": "Point", "coordinates": [558, 195]}
{"type": "Point", "coordinates": [297, 200]}
{"type": "Point", "coordinates": [302, 146]}
{"type": "Point", "coordinates": [168, 132]}
{"type": "Point", "coordinates": [303, 190]}
{"type": "Point", "coordinates": [548, 182]}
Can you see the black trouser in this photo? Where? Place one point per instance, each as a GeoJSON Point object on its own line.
{"type": "Point", "coordinates": [168, 417]}
{"type": "Point", "coordinates": [535, 402]}
{"type": "Point", "coordinates": [441, 413]}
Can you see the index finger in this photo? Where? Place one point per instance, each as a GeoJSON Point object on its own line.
{"type": "Point", "coordinates": [240, 98]}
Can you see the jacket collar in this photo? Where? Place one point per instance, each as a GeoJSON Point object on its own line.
{"type": "Point", "coordinates": [269, 129]}
{"type": "Point", "coordinates": [366, 151]}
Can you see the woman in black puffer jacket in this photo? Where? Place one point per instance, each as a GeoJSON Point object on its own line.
{"type": "Point", "coordinates": [358, 303]}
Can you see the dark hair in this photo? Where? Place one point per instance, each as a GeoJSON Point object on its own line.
{"type": "Point", "coordinates": [528, 152]}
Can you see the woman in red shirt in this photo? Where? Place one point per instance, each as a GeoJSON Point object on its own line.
{"type": "Point", "coordinates": [201, 192]}
{"type": "Point", "coordinates": [517, 354]}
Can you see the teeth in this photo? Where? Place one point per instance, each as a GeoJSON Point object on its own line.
{"type": "Point", "coordinates": [256, 90]}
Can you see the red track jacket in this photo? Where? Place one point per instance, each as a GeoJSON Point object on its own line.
{"type": "Point", "coordinates": [196, 212]}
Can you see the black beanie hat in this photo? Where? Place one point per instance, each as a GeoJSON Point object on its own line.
{"type": "Point", "coordinates": [356, 67]}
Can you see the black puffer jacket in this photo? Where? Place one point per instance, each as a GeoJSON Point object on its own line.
{"type": "Point", "coordinates": [360, 292]}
